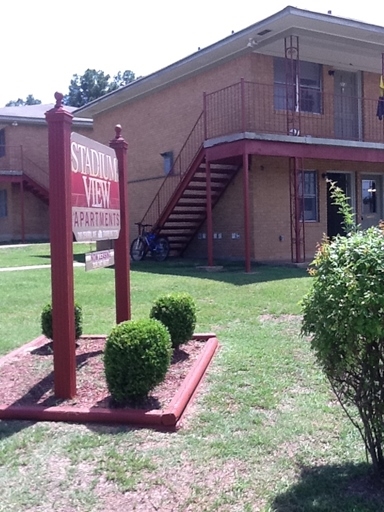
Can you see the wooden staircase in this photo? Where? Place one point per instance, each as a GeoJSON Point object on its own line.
{"type": "Point", "coordinates": [189, 211]}
{"type": "Point", "coordinates": [180, 206]}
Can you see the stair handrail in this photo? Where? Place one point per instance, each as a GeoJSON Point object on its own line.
{"type": "Point", "coordinates": [181, 165]}
{"type": "Point", "coordinates": [39, 175]}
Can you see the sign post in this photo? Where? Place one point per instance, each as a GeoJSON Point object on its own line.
{"type": "Point", "coordinates": [87, 196]}
{"type": "Point", "coordinates": [60, 218]}
{"type": "Point", "coordinates": [122, 259]}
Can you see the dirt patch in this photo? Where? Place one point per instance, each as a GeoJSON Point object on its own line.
{"type": "Point", "coordinates": [28, 379]}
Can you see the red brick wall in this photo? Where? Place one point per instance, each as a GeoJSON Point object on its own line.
{"type": "Point", "coordinates": [161, 122]}
{"type": "Point", "coordinates": [25, 143]}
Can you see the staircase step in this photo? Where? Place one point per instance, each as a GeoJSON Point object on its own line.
{"type": "Point", "coordinates": [197, 187]}
{"type": "Point", "coordinates": [187, 214]}
{"type": "Point", "coordinates": [221, 167]}
{"type": "Point", "coordinates": [190, 194]}
{"type": "Point", "coordinates": [214, 179]}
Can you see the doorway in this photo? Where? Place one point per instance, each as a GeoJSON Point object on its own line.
{"type": "Point", "coordinates": [346, 117]}
{"type": "Point", "coordinates": [334, 218]}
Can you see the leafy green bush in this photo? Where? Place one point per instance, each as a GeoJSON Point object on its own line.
{"type": "Point", "coordinates": [344, 314]}
{"type": "Point", "coordinates": [136, 358]}
{"type": "Point", "coordinates": [178, 313]}
{"type": "Point", "coordinates": [46, 321]}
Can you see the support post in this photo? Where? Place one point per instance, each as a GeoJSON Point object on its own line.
{"type": "Point", "coordinates": [209, 213]}
{"type": "Point", "coordinates": [60, 212]}
{"type": "Point", "coordinates": [296, 184]}
{"type": "Point", "coordinates": [22, 206]}
{"type": "Point", "coordinates": [247, 230]}
{"type": "Point", "coordinates": [122, 259]}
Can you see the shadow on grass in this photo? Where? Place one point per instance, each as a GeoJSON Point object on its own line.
{"type": "Point", "coordinates": [231, 272]}
{"type": "Point", "coordinates": [80, 258]}
{"type": "Point", "coordinates": [333, 488]}
{"type": "Point", "coordinates": [8, 428]}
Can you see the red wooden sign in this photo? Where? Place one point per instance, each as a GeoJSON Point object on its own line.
{"type": "Point", "coordinates": [95, 190]}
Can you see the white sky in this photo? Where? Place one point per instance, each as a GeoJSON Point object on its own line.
{"type": "Point", "coordinates": [45, 42]}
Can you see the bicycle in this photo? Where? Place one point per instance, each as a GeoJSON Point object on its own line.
{"type": "Point", "coordinates": [157, 245]}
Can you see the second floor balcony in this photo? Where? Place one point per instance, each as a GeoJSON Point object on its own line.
{"type": "Point", "coordinates": [293, 111]}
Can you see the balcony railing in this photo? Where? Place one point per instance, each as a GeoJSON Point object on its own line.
{"type": "Point", "coordinates": [185, 158]}
{"type": "Point", "coordinates": [268, 109]}
{"type": "Point", "coordinates": [14, 158]}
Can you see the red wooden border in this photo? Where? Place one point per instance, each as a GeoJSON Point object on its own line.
{"type": "Point", "coordinates": [167, 419]}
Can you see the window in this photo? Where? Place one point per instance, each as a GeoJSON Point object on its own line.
{"type": "Point", "coordinates": [2, 142]}
{"type": "Point", "coordinates": [168, 161]}
{"type": "Point", "coordinates": [3, 203]}
{"type": "Point", "coordinates": [308, 195]}
{"type": "Point", "coordinates": [302, 93]}
{"type": "Point", "coordinates": [369, 190]}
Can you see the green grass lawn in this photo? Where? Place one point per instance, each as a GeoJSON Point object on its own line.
{"type": "Point", "coordinates": [263, 434]}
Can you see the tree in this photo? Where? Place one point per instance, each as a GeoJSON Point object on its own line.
{"type": "Point", "coordinates": [30, 100]}
{"type": "Point", "coordinates": [94, 84]}
{"type": "Point", "coordinates": [344, 315]}
{"type": "Point", "coordinates": [122, 79]}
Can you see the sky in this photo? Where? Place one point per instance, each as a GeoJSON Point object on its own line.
{"type": "Point", "coordinates": [46, 42]}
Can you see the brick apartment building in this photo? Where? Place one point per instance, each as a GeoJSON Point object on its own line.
{"type": "Point", "coordinates": [24, 177]}
{"type": "Point", "coordinates": [230, 148]}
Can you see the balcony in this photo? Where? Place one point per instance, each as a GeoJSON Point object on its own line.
{"type": "Point", "coordinates": [280, 110]}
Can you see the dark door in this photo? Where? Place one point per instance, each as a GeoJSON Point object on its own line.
{"type": "Point", "coordinates": [334, 218]}
{"type": "Point", "coordinates": [346, 106]}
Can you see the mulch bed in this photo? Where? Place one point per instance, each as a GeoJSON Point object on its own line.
{"type": "Point", "coordinates": [27, 378]}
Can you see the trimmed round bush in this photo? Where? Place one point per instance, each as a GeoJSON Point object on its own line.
{"type": "Point", "coordinates": [136, 358]}
{"type": "Point", "coordinates": [46, 321]}
{"type": "Point", "coordinates": [177, 312]}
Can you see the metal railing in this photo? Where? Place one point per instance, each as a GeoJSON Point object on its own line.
{"type": "Point", "coordinates": [181, 165]}
{"type": "Point", "coordinates": [14, 158]}
{"type": "Point", "coordinates": [271, 109]}
{"type": "Point", "coordinates": [264, 108]}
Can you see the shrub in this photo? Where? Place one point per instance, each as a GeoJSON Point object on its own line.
{"type": "Point", "coordinates": [46, 321]}
{"type": "Point", "coordinates": [136, 358]}
{"type": "Point", "coordinates": [344, 314]}
{"type": "Point", "coordinates": [178, 313]}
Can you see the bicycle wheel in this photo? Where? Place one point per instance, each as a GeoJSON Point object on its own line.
{"type": "Point", "coordinates": [137, 249]}
{"type": "Point", "coordinates": [161, 250]}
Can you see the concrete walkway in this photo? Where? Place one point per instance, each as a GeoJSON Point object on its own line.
{"type": "Point", "coordinates": [30, 267]}
{"type": "Point", "coordinates": [33, 267]}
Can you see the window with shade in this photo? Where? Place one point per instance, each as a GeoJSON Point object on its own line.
{"type": "Point", "coordinates": [3, 204]}
{"type": "Point", "coordinates": [297, 86]}
{"type": "Point", "coordinates": [308, 196]}
{"type": "Point", "coordinates": [2, 142]}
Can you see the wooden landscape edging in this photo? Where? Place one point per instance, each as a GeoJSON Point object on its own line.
{"type": "Point", "coordinates": [167, 419]}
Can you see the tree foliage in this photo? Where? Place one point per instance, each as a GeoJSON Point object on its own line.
{"type": "Point", "coordinates": [94, 84]}
{"type": "Point", "coordinates": [344, 315]}
{"type": "Point", "coordinates": [30, 100]}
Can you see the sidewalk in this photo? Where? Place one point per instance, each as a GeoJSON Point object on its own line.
{"type": "Point", "coordinates": [33, 267]}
